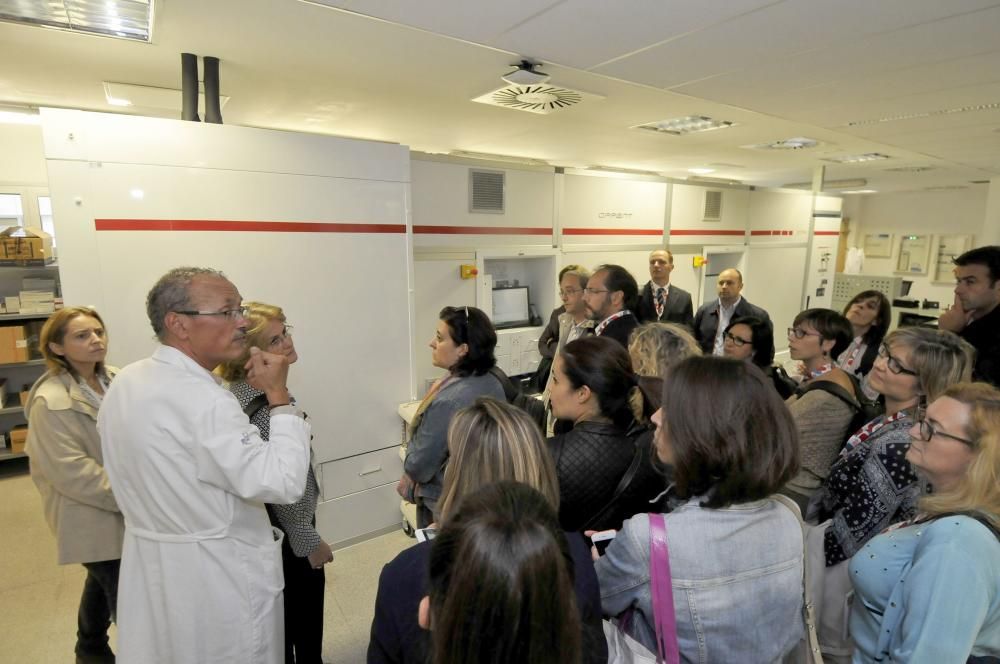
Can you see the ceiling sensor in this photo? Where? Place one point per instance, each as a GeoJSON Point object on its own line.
{"type": "Point", "coordinates": [796, 143]}
{"type": "Point", "coordinates": [526, 74]}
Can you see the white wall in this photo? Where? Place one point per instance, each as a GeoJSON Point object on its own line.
{"type": "Point", "coordinates": [938, 212]}
{"type": "Point", "coordinates": [22, 160]}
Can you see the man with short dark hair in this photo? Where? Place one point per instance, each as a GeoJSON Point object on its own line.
{"type": "Point", "coordinates": [201, 573]}
{"type": "Point", "coordinates": [610, 295]}
{"type": "Point", "coordinates": [712, 319]}
{"type": "Point", "coordinates": [661, 301]}
{"type": "Point", "coordinates": [975, 315]}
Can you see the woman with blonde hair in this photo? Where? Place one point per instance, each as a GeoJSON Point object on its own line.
{"type": "Point", "coordinates": [489, 441]}
{"type": "Point", "coordinates": [655, 347]}
{"type": "Point", "coordinates": [948, 609]}
{"type": "Point", "coordinates": [870, 486]}
{"type": "Point", "coordinates": [303, 551]}
{"type": "Point", "coordinates": [67, 466]}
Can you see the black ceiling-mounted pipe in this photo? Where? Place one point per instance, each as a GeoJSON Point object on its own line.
{"type": "Point", "coordinates": [189, 87]}
{"type": "Point", "coordinates": [213, 107]}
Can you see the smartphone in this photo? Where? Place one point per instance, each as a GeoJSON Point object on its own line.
{"type": "Point", "coordinates": [425, 534]}
{"type": "Point", "coordinates": [602, 539]}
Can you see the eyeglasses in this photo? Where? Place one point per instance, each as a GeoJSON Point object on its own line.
{"type": "Point", "coordinates": [569, 292]}
{"type": "Point", "coordinates": [927, 431]}
{"type": "Point", "coordinates": [737, 341]}
{"type": "Point", "coordinates": [595, 291]}
{"type": "Point", "coordinates": [231, 314]}
{"type": "Point", "coordinates": [799, 333]}
{"type": "Point", "coordinates": [278, 340]}
{"type": "Point", "coordinates": [892, 363]}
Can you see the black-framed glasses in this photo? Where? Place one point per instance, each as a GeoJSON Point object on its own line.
{"type": "Point", "coordinates": [279, 339]}
{"type": "Point", "coordinates": [892, 363]}
{"type": "Point", "coordinates": [928, 431]}
{"type": "Point", "coordinates": [737, 341]}
{"type": "Point", "coordinates": [799, 333]}
{"type": "Point", "coordinates": [231, 314]}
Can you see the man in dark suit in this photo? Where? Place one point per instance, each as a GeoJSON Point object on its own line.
{"type": "Point", "coordinates": [713, 318]}
{"type": "Point", "coordinates": [660, 302]}
{"type": "Point", "coordinates": [610, 295]}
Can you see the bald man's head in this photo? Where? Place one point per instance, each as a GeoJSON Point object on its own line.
{"type": "Point", "coordinates": [729, 286]}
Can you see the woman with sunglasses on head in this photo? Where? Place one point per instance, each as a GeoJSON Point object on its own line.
{"type": "Point", "coordinates": [870, 485]}
{"type": "Point", "coordinates": [751, 339]}
{"type": "Point", "coordinates": [927, 591]}
{"type": "Point", "coordinates": [303, 551]}
{"type": "Point", "coordinates": [463, 345]}
{"type": "Point", "coordinates": [825, 403]}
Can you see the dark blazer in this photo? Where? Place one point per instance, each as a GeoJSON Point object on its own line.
{"type": "Point", "coordinates": [706, 321]}
{"type": "Point", "coordinates": [677, 308]}
{"type": "Point", "coordinates": [984, 335]}
{"type": "Point", "coordinates": [620, 329]}
{"type": "Point", "coordinates": [397, 637]}
{"type": "Point", "coordinates": [550, 335]}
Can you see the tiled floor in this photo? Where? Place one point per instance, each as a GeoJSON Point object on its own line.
{"type": "Point", "coordinates": [38, 598]}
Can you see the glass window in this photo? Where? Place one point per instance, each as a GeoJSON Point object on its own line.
{"type": "Point", "coordinates": [11, 211]}
{"type": "Point", "coordinates": [45, 212]}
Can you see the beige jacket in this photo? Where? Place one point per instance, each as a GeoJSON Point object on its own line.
{"type": "Point", "coordinates": [68, 469]}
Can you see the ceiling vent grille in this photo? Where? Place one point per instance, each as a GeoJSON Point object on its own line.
{"type": "Point", "coordinates": [486, 191]}
{"type": "Point", "coordinates": [540, 99]}
{"type": "Point", "coordinates": [713, 205]}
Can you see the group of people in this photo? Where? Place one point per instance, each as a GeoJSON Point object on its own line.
{"type": "Point", "coordinates": [879, 439]}
{"type": "Point", "coordinates": [184, 483]}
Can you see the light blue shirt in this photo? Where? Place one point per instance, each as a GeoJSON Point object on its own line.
{"type": "Point", "coordinates": [927, 593]}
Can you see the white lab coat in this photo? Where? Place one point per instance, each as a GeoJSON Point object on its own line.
{"type": "Point", "coordinates": [201, 575]}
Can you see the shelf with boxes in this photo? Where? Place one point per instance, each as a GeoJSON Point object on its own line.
{"type": "Point", "coordinates": [29, 293]}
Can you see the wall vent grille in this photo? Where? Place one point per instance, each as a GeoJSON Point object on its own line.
{"type": "Point", "coordinates": [713, 206]}
{"type": "Point", "coordinates": [486, 191]}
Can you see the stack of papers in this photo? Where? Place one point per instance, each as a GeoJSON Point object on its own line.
{"type": "Point", "coordinates": [37, 302]}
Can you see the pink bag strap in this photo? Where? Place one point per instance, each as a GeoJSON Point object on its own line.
{"type": "Point", "coordinates": [662, 592]}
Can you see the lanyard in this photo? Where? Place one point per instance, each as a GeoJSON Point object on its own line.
{"type": "Point", "coordinates": [610, 319]}
{"type": "Point", "coordinates": [868, 430]}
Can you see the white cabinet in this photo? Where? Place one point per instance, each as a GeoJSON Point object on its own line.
{"type": "Point", "coordinates": [358, 516]}
{"type": "Point", "coordinates": [517, 350]}
{"type": "Point", "coordinates": [357, 473]}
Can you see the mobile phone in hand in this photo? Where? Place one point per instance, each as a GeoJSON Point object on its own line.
{"type": "Point", "coordinates": [425, 534]}
{"type": "Point", "coordinates": [602, 539]}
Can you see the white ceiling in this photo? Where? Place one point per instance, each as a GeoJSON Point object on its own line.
{"type": "Point", "coordinates": [406, 72]}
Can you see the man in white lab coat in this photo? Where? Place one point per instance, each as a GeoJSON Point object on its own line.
{"type": "Point", "coordinates": [201, 575]}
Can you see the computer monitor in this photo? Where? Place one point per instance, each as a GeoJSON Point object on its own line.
{"type": "Point", "coordinates": [511, 307]}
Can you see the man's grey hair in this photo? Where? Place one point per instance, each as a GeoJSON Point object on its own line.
{"type": "Point", "coordinates": [170, 293]}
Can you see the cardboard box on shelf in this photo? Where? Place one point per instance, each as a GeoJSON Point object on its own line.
{"type": "Point", "coordinates": [25, 246]}
{"type": "Point", "coordinates": [18, 437]}
{"type": "Point", "coordinates": [13, 344]}
{"type": "Point", "coordinates": [37, 302]}
{"type": "Point", "coordinates": [12, 304]}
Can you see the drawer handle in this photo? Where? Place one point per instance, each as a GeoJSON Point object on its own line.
{"type": "Point", "coordinates": [369, 472]}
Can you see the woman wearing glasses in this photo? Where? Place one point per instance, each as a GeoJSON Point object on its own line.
{"type": "Point", "coordinates": [825, 403]}
{"type": "Point", "coordinates": [303, 551]}
{"type": "Point", "coordinates": [463, 345]}
{"type": "Point", "coordinates": [870, 485]}
{"type": "Point", "coordinates": [751, 339]}
{"type": "Point", "coordinates": [927, 591]}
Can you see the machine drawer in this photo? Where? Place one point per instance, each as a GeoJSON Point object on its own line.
{"type": "Point", "coordinates": [368, 512]}
{"type": "Point", "coordinates": [364, 471]}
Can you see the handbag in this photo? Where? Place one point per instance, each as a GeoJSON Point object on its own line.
{"type": "Point", "coordinates": [622, 648]}
{"type": "Point", "coordinates": [808, 651]}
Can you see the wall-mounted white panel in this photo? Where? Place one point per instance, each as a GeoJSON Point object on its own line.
{"type": "Point", "coordinates": [773, 280]}
{"type": "Point", "coordinates": [688, 222]}
{"type": "Point", "coordinates": [829, 204]}
{"type": "Point", "coordinates": [599, 210]}
{"type": "Point", "coordinates": [133, 139]}
{"type": "Point", "coordinates": [441, 216]}
{"type": "Point", "coordinates": [778, 217]}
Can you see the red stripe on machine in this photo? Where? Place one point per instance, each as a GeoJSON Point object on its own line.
{"type": "Point", "coordinates": [242, 226]}
{"type": "Point", "coordinates": [612, 231]}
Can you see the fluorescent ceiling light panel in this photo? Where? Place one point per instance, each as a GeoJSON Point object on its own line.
{"type": "Point", "coordinates": [796, 143]}
{"type": "Point", "coordinates": [689, 124]}
{"type": "Point", "coordinates": [854, 183]}
{"type": "Point", "coordinates": [926, 114]}
{"type": "Point", "coordinates": [127, 19]}
{"type": "Point", "coordinates": [861, 191]}
{"type": "Point", "coordinates": [701, 171]}
{"type": "Point", "coordinates": [857, 158]}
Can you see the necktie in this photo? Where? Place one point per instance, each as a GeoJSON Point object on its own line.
{"type": "Point", "coordinates": [659, 302]}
